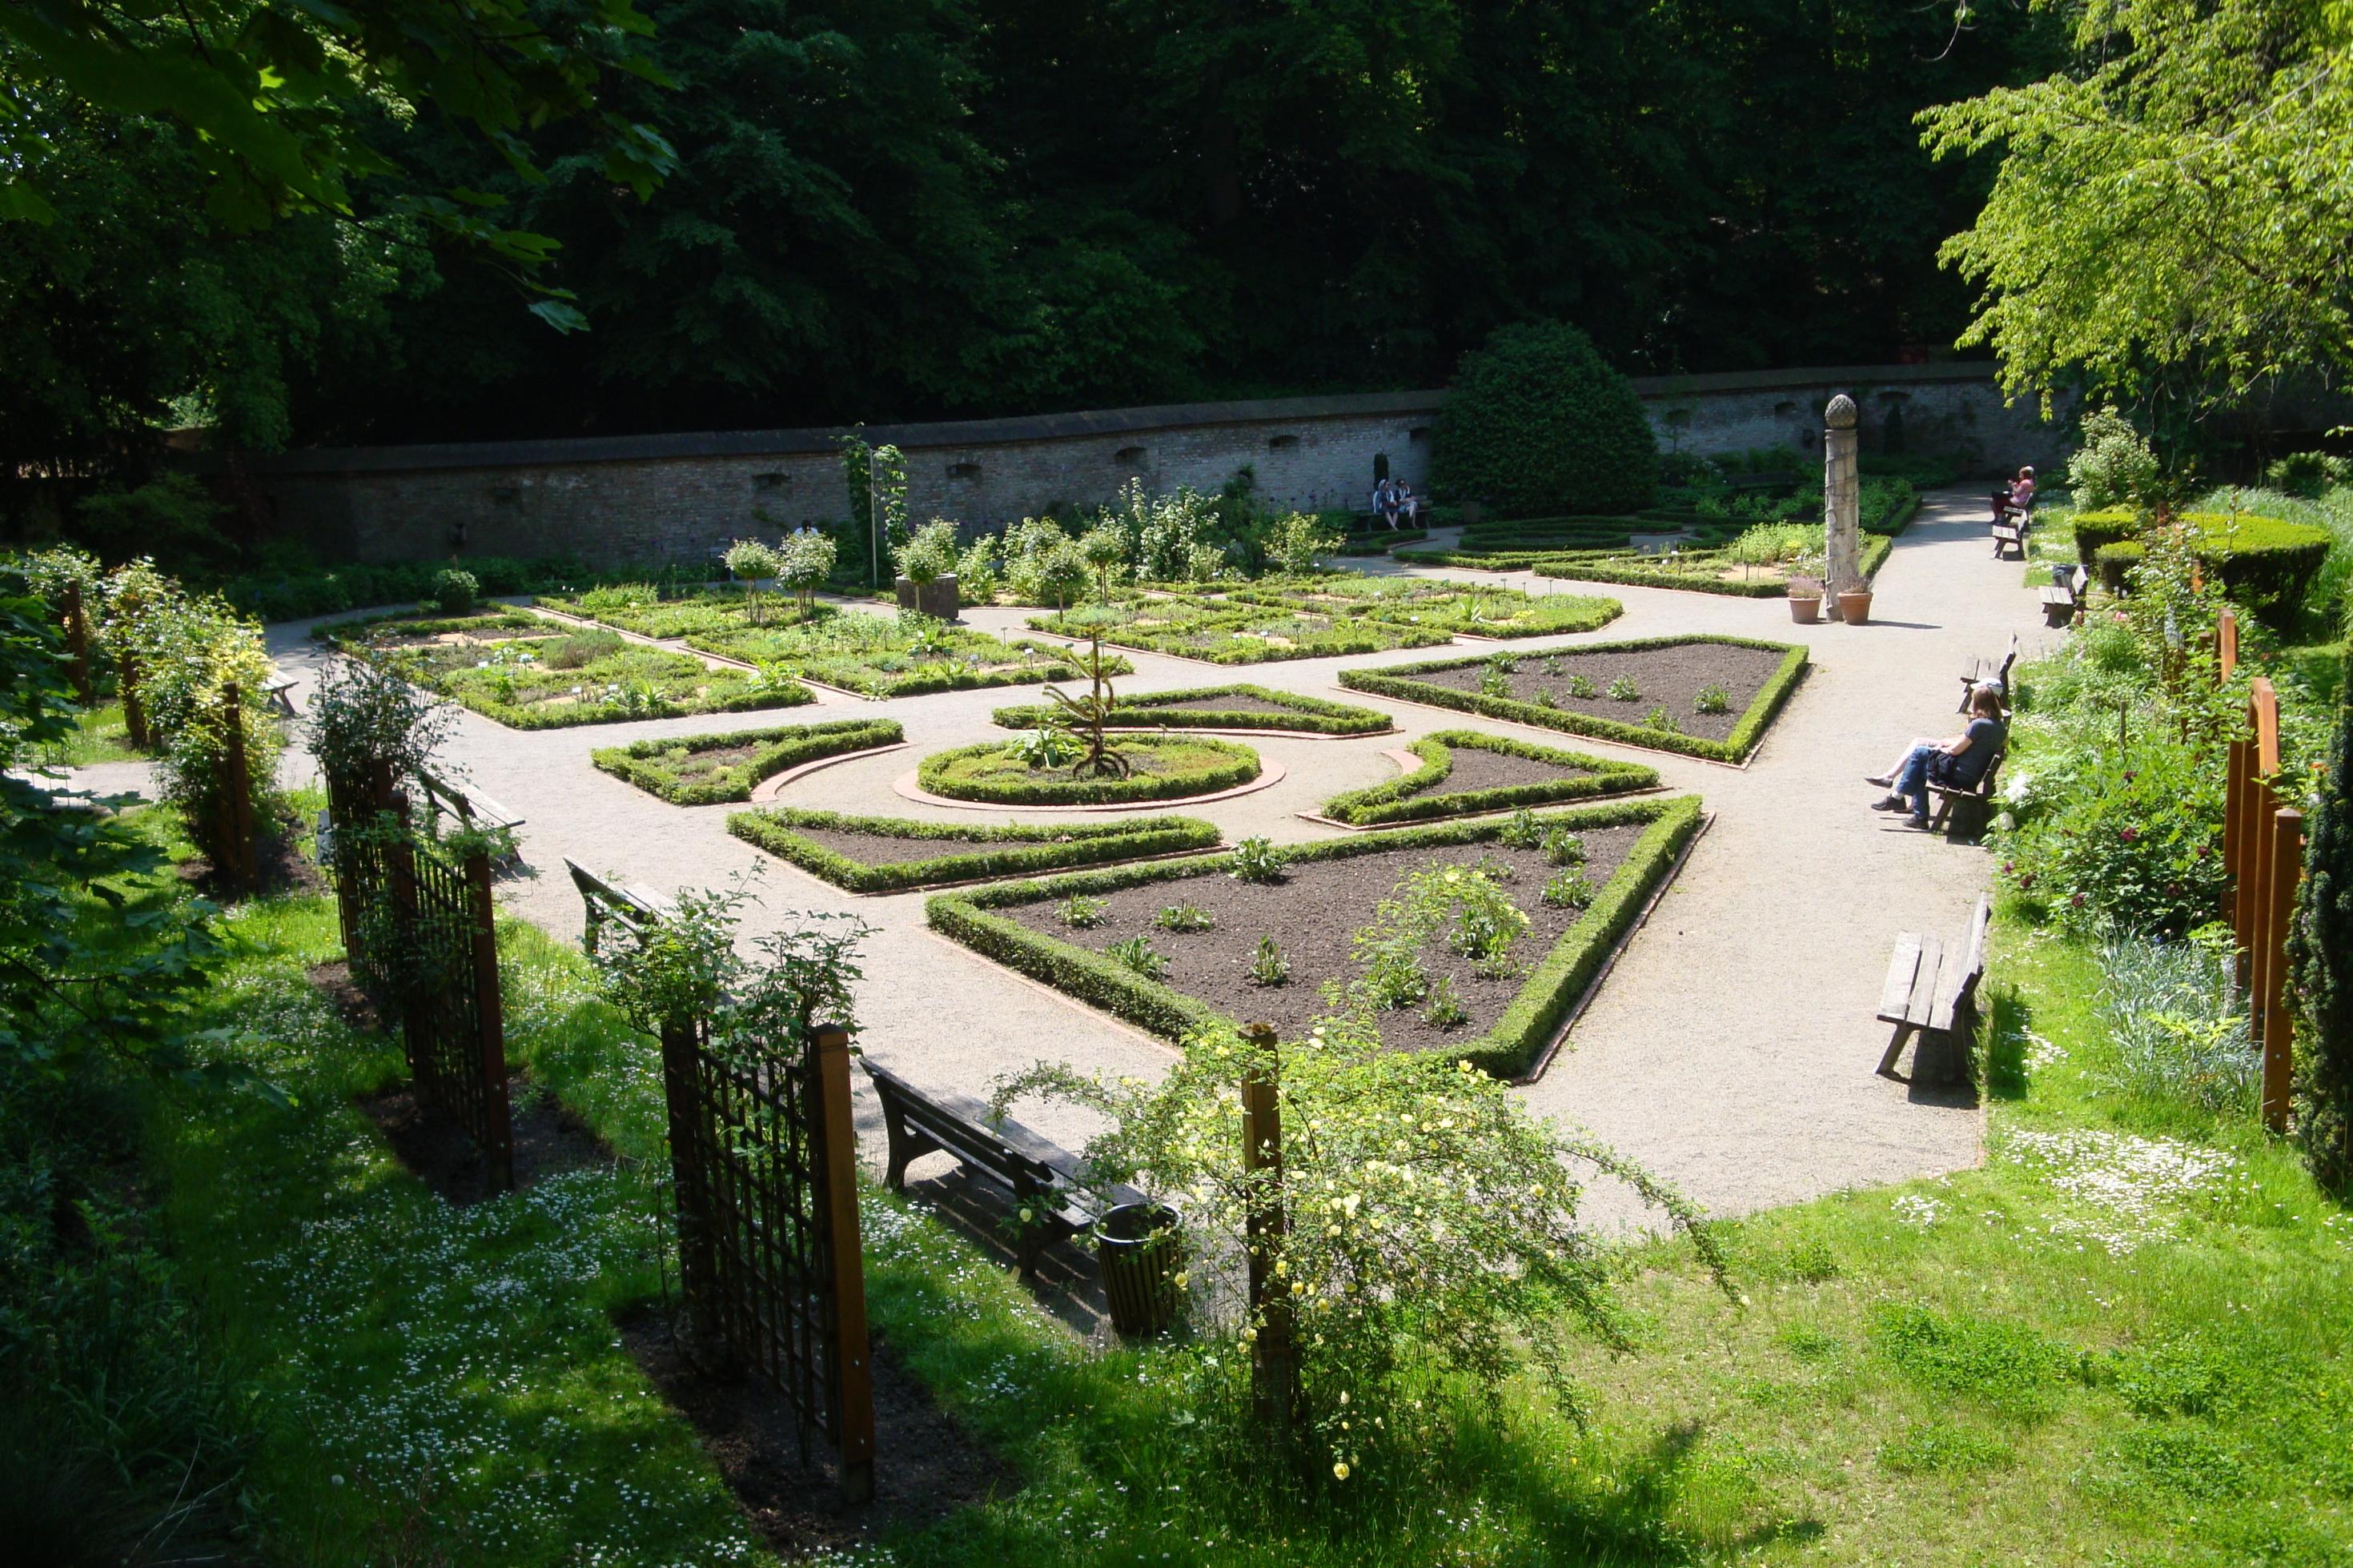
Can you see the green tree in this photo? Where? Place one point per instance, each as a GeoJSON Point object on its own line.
{"type": "Point", "coordinates": [2177, 204]}
{"type": "Point", "coordinates": [2320, 957]}
{"type": "Point", "coordinates": [1537, 421]}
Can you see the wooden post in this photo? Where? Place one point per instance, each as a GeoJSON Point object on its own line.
{"type": "Point", "coordinates": [400, 878]}
{"type": "Point", "coordinates": [1275, 1367]}
{"type": "Point", "coordinates": [134, 713]}
{"type": "Point", "coordinates": [837, 1162]}
{"type": "Point", "coordinates": [77, 626]}
{"type": "Point", "coordinates": [490, 1022]}
{"type": "Point", "coordinates": [2278, 1036]}
{"type": "Point", "coordinates": [234, 814]}
{"type": "Point", "coordinates": [2226, 643]}
{"type": "Point", "coordinates": [697, 1262]}
{"type": "Point", "coordinates": [2261, 897]}
{"type": "Point", "coordinates": [2238, 764]}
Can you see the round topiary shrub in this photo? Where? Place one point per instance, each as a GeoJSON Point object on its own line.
{"type": "Point", "coordinates": [454, 591]}
{"type": "Point", "coordinates": [1160, 768]}
{"type": "Point", "coordinates": [1538, 423]}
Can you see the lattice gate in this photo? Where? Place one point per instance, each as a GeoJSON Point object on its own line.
{"type": "Point", "coordinates": [765, 1165]}
{"type": "Point", "coordinates": [420, 932]}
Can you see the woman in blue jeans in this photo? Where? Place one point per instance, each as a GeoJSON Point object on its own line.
{"type": "Point", "coordinates": [1958, 762]}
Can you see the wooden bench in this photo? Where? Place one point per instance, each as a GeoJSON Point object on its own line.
{"type": "Point", "coordinates": [1043, 1176]}
{"type": "Point", "coordinates": [1986, 672]}
{"type": "Point", "coordinates": [1932, 991]}
{"type": "Point", "coordinates": [2008, 534]}
{"type": "Point", "coordinates": [277, 690]}
{"type": "Point", "coordinates": [1963, 810]}
{"type": "Point", "coordinates": [2061, 600]}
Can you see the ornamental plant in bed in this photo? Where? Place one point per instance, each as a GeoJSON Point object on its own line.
{"type": "Point", "coordinates": [1603, 690]}
{"type": "Point", "coordinates": [1512, 978]}
{"type": "Point", "coordinates": [886, 855]}
{"type": "Point", "coordinates": [1437, 604]}
{"type": "Point", "coordinates": [1223, 631]}
{"type": "Point", "coordinates": [702, 770]}
{"type": "Point", "coordinates": [643, 608]}
{"type": "Point", "coordinates": [891, 656]}
{"type": "Point", "coordinates": [1464, 772]}
{"type": "Point", "coordinates": [1238, 707]}
{"type": "Point", "coordinates": [1157, 768]}
{"type": "Point", "coordinates": [589, 677]}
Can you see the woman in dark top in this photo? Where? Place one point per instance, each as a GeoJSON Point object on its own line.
{"type": "Point", "coordinates": [1958, 762]}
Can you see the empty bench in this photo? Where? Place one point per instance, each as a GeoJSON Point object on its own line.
{"type": "Point", "coordinates": [1044, 1177]}
{"type": "Point", "coordinates": [1932, 992]}
{"type": "Point", "coordinates": [2065, 596]}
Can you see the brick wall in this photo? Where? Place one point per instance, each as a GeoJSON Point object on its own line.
{"type": "Point", "coordinates": [677, 497]}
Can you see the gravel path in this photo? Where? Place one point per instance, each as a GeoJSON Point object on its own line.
{"type": "Point", "coordinates": [1731, 1051]}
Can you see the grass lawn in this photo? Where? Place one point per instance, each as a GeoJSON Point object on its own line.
{"type": "Point", "coordinates": [100, 736]}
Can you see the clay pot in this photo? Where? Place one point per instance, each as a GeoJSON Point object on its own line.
{"type": "Point", "coordinates": [1855, 608]}
{"type": "Point", "coordinates": [1804, 608]}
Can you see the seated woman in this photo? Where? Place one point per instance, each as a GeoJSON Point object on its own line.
{"type": "Point", "coordinates": [1957, 762]}
{"type": "Point", "coordinates": [1409, 505]}
{"type": "Point", "coordinates": [2022, 492]}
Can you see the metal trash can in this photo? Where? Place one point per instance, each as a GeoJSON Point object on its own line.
{"type": "Point", "coordinates": [1140, 1250]}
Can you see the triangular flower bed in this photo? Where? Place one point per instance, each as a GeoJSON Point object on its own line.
{"type": "Point", "coordinates": [891, 854]}
{"type": "Point", "coordinates": [1236, 706]}
{"type": "Point", "coordinates": [705, 770]}
{"type": "Point", "coordinates": [1463, 773]}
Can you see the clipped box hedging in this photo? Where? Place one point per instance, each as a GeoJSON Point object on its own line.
{"type": "Point", "coordinates": [1397, 681]}
{"type": "Point", "coordinates": [1222, 766]}
{"type": "Point", "coordinates": [994, 852]}
{"type": "Point", "coordinates": [1509, 1049]}
{"type": "Point", "coordinates": [2266, 563]}
{"type": "Point", "coordinates": [644, 763]}
{"type": "Point", "coordinates": [1144, 712]}
{"type": "Point", "coordinates": [1416, 797]}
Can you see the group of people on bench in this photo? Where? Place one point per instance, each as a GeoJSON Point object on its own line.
{"type": "Point", "coordinates": [1956, 761]}
{"type": "Point", "coordinates": [1394, 499]}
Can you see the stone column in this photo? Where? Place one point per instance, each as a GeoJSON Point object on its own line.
{"type": "Point", "coordinates": [1841, 505]}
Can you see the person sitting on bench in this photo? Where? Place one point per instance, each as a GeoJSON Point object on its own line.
{"type": "Point", "coordinates": [1959, 761]}
{"type": "Point", "coordinates": [2021, 495]}
{"type": "Point", "coordinates": [1409, 506]}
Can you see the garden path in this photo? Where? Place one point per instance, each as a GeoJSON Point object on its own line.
{"type": "Point", "coordinates": [1730, 1052]}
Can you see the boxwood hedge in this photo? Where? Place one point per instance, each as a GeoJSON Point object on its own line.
{"type": "Point", "coordinates": [1510, 1049]}
{"type": "Point", "coordinates": [1416, 797]}
{"type": "Point", "coordinates": [1147, 712]}
{"type": "Point", "coordinates": [1398, 681]}
{"type": "Point", "coordinates": [2265, 563]}
{"type": "Point", "coordinates": [987, 851]}
{"type": "Point", "coordinates": [645, 762]}
{"type": "Point", "coordinates": [1227, 765]}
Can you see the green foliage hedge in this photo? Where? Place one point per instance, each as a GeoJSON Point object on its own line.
{"type": "Point", "coordinates": [2265, 563]}
{"type": "Point", "coordinates": [1507, 1050]}
{"type": "Point", "coordinates": [1144, 710]}
{"type": "Point", "coordinates": [1398, 681]}
{"type": "Point", "coordinates": [302, 589]}
{"type": "Point", "coordinates": [997, 852]}
{"type": "Point", "coordinates": [1534, 416]}
{"type": "Point", "coordinates": [1215, 766]}
{"type": "Point", "coordinates": [1416, 797]}
{"type": "Point", "coordinates": [644, 763]}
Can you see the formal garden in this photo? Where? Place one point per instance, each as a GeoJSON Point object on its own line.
{"type": "Point", "coordinates": [784, 1015]}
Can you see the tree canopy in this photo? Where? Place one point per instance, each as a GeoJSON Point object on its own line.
{"type": "Point", "coordinates": [2174, 210]}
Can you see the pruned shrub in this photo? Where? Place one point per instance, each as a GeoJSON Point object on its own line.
{"type": "Point", "coordinates": [1537, 421]}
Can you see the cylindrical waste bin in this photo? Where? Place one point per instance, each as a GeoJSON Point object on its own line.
{"type": "Point", "coordinates": [1140, 1250]}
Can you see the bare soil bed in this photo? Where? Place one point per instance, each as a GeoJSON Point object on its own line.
{"type": "Point", "coordinates": [925, 1466]}
{"type": "Point", "coordinates": [548, 1140]}
{"type": "Point", "coordinates": [1313, 915]}
{"type": "Point", "coordinates": [1476, 767]}
{"type": "Point", "coordinates": [1670, 678]}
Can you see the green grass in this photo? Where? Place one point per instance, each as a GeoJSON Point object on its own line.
{"type": "Point", "coordinates": [100, 736]}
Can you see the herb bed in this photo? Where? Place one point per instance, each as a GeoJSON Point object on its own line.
{"type": "Point", "coordinates": [1331, 889]}
{"type": "Point", "coordinates": [1163, 768]}
{"type": "Point", "coordinates": [1670, 673]}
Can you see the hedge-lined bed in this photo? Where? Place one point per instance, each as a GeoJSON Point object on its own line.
{"type": "Point", "coordinates": [1161, 767]}
{"type": "Point", "coordinates": [708, 769]}
{"type": "Point", "coordinates": [1554, 776]}
{"type": "Point", "coordinates": [986, 920]}
{"type": "Point", "coordinates": [1232, 631]}
{"type": "Point", "coordinates": [1539, 695]}
{"type": "Point", "coordinates": [891, 855]}
{"type": "Point", "coordinates": [1235, 707]}
{"type": "Point", "coordinates": [1437, 604]}
{"type": "Point", "coordinates": [409, 629]}
{"type": "Point", "coordinates": [1380, 543]}
{"type": "Point", "coordinates": [2265, 563]}
{"type": "Point", "coordinates": [642, 608]}
{"type": "Point", "coordinates": [895, 656]}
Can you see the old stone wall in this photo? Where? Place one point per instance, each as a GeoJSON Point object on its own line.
{"type": "Point", "coordinates": [654, 497]}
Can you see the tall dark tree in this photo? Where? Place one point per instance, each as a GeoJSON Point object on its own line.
{"type": "Point", "coordinates": [2320, 954]}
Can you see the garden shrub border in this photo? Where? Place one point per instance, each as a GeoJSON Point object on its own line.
{"type": "Point", "coordinates": [2268, 567]}
{"type": "Point", "coordinates": [1409, 797]}
{"type": "Point", "coordinates": [1607, 567]}
{"type": "Point", "coordinates": [1053, 786]}
{"type": "Point", "coordinates": [1315, 714]}
{"type": "Point", "coordinates": [1396, 682]}
{"type": "Point", "coordinates": [1030, 850]}
{"type": "Point", "coordinates": [1511, 1049]}
{"type": "Point", "coordinates": [638, 762]}
{"type": "Point", "coordinates": [501, 617]}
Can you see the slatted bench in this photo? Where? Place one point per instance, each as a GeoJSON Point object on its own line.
{"type": "Point", "coordinates": [1932, 991]}
{"type": "Point", "coordinates": [1043, 1176]}
{"type": "Point", "coordinates": [277, 690]}
{"type": "Point", "coordinates": [2061, 600]}
{"type": "Point", "coordinates": [1985, 671]}
{"type": "Point", "coordinates": [2009, 534]}
{"type": "Point", "coordinates": [1963, 810]}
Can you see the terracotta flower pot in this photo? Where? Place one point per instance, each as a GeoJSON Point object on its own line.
{"type": "Point", "coordinates": [1855, 608]}
{"type": "Point", "coordinates": [1804, 608]}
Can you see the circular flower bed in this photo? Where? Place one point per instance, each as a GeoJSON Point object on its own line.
{"type": "Point", "coordinates": [1159, 768]}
